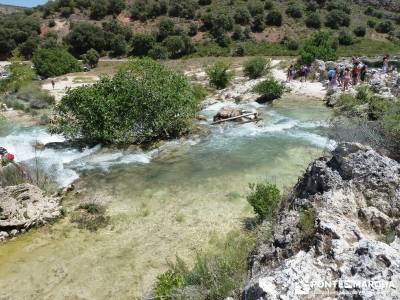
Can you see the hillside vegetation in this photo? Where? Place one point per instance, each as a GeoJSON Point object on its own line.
{"type": "Point", "coordinates": [172, 29]}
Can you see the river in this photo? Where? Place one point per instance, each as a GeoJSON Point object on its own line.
{"type": "Point", "coordinates": [162, 203]}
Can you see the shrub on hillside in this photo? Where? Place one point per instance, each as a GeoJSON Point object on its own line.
{"type": "Point", "coordinates": [193, 29]}
{"type": "Point", "coordinates": [360, 31]}
{"type": "Point", "coordinates": [91, 58]}
{"type": "Point", "coordinates": [319, 46]}
{"type": "Point", "coordinates": [98, 9]}
{"type": "Point", "coordinates": [55, 62]}
{"type": "Point", "coordinates": [345, 38]}
{"type": "Point", "coordinates": [142, 43]}
{"type": "Point", "coordinates": [118, 46]}
{"type": "Point", "coordinates": [183, 8]}
{"type": "Point", "coordinates": [339, 5]}
{"type": "Point", "coordinates": [255, 7]}
{"type": "Point", "coordinates": [145, 101]}
{"type": "Point", "coordinates": [274, 18]}
{"type": "Point", "coordinates": [255, 67]}
{"type": "Point", "coordinates": [85, 36]}
{"type": "Point", "coordinates": [242, 16]}
{"type": "Point", "coordinates": [294, 11]}
{"type": "Point", "coordinates": [371, 23]}
{"type": "Point", "coordinates": [384, 27]}
{"type": "Point", "coordinates": [238, 34]}
{"type": "Point", "coordinates": [175, 46]}
{"type": "Point", "coordinates": [205, 2]}
{"type": "Point", "coordinates": [313, 21]}
{"type": "Point", "coordinates": [269, 90]}
{"type": "Point", "coordinates": [268, 5]}
{"type": "Point", "coordinates": [166, 28]}
{"type": "Point", "coordinates": [336, 19]}
{"type": "Point", "coordinates": [158, 52]}
{"type": "Point", "coordinates": [219, 75]}
{"type": "Point", "coordinates": [264, 198]}
{"type": "Point", "coordinates": [258, 23]}
{"type": "Point", "coordinates": [115, 7]}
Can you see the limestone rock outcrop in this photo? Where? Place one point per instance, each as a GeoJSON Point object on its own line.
{"type": "Point", "coordinates": [337, 236]}
{"type": "Point", "coordinates": [25, 206]}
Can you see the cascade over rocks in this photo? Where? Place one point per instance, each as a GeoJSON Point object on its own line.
{"type": "Point", "coordinates": [355, 197]}
{"type": "Point", "coordinates": [25, 206]}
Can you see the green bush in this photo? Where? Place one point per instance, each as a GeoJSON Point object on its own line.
{"type": "Point", "coordinates": [264, 198]}
{"type": "Point", "coordinates": [319, 46]}
{"type": "Point", "coordinates": [307, 222]}
{"type": "Point", "coordinates": [183, 8]}
{"type": "Point", "coordinates": [219, 75]}
{"type": "Point", "coordinates": [118, 46]}
{"type": "Point", "coordinates": [91, 58]}
{"type": "Point", "coordinates": [193, 29]}
{"type": "Point", "coordinates": [238, 34]}
{"type": "Point", "coordinates": [294, 11]}
{"type": "Point", "coordinates": [274, 18]}
{"type": "Point", "coordinates": [384, 27]}
{"type": "Point", "coordinates": [269, 90]}
{"type": "Point", "coordinates": [371, 23]}
{"type": "Point", "coordinates": [360, 31]}
{"type": "Point", "coordinates": [313, 21]}
{"type": "Point", "coordinates": [55, 62]}
{"type": "Point", "coordinates": [336, 19]}
{"type": "Point", "coordinates": [345, 38]}
{"type": "Point", "coordinates": [115, 7]}
{"type": "Point", "coordinates": [99, 9]}
{"type": "Point", "coordinates": [255, 7]}
{"type": "Point", "coordinates": [258, 23]}
{"type": "Point", "coordinates": [142, 44]}
{"type": "Point", "coordinates": [158, 52]}
{"type": "Point", "coordinates": [215, 274]}
{"type": "Point", "coordinates": [242, 16]}
{"type": "Point", "coordinates": [268, 5]}
{"type": "Point", "coordinates": [339, 5]}
{"type": "Point", "coordinates": [85, 36]}
{"type": "Point", "coordinates": [178, 46]}
{"type": "Point", "coordinates": [255, 67]}
{"type": "Point", "coordinates": [143, 102]}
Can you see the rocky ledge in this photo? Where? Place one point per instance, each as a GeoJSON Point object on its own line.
{"type": "Point", "coordinates": [25, 206]}
{"type": "Point", "coordinates": [337, 236]}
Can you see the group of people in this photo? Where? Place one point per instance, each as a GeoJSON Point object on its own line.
{"type": "Point", "coordinates": [6, 158]}
{"type": "Point", "coordinates": [302, 73]}
{"type": "Point", "coordinates": [343, 76]}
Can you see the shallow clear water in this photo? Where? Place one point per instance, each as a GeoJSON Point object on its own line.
{"type": "Point", "coordinates": [162, 203]}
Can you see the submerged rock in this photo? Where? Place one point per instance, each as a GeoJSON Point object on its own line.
{"type": "Point", "coordinates": [348, 247]}
{"type": "Point", "coordinates": [25, 206]}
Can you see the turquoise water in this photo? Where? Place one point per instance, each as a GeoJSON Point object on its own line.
{"type": "Point", "coordinates": [162, 203]}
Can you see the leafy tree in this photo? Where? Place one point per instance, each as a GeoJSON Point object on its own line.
{"type": "Point", "coordinates": [319, 46]}
{"type": "Point", "coordinates": [66, 12]}
{"type": "Point", "coordinates": [337, 18]}
{"type": "Point", "coordinates": [313, 21]}
{"type": "Point", "coordinates": [183, 8]}
{"type": "Point", "coordinates": [339, 5]}
{"type": "Point", "coordinates": [175, 46]}
{"type": "Point", "coordinates": [91, 58]}
{"type": "Point", "coordinates": [50, 40]}
{"type": "Point", "coordinates": [193, 29]}
{"type": "Point", "coordinates": [274, 18]}
{"type": "Point", "coordinates": [371, 23]}
{"type": "Point", "coordinates": [115, 7]}
{"type": "Point", "coordinates": [269, 90]}
{"type": "Point", "coordinates": [242, 16]}
{"type": "Point", "coordinates": [143, 102]}
{"type": "Point", "coordinates": [99, 9]}
{"type": "Point", "coordinates": [20, 73]}
{"type": "Point", "coordinates": [219, 74]}
{"type": "Point", "coordinates": [139, 10]}
{"type": "Point", "coordinates": [158, 52]}
{"type": "Point", "coordinates": [268, 5]}
{"type": "Point", "coordinates": [166, 28]}
{"type": "Point", "coordinates": [29, 46]}
{"type": "Point", "coordinates": [118, 46]}
{"type": "Point", "coordinates": [142, 43]}
{"type": "Point", "coordinates": [360, 31]}
{"type": "Point", "coordinates": [238, 34]}
{"type": "Point", "coordinates": [384, 27]}
{"type": "Point", "coordinates": [54, 62]}
{"type": "Point", "coordinates": [255, 67]}
{"type": "Point", "coordinates": [264, 198]}
{"type": "Point", "coordinates": [345, 38]}
{"type": "Point", "coordinates": [114, 27]}
{"type": "Point", "coordinates": [255, 7]}
{"type": "Point", "coordinates": [85, 36]}
{"type": "Point", "coordinates": [294, 11]}
{"type": "Point", "coordinates": [258, 23]}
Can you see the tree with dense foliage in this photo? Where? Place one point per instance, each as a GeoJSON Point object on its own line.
{"type": "Point", "coordinates": [319, 46]}
{"type": "Point", "coordinates": [360, 31]}
{"type": "Point", "coordinates": [274, 18]}
{"type": "Point", "coordinates": [255, 7]}
{"type": "Point", "coordinates": [91, 58]}
{"type": "Point", "coordinates": [242, 16]}
{"type": "Point", "coordinates": [219, 74]}
{"type": "Point", "coordinates": [145, 101]}
{"type": "Point", "coordinates": [294, 11]}
{"type": "Point", "coordinates": [337, 18]}
{"type": "Point", "coordinates": [158, 52]}
{"type": "Point", "coordinates": [345, 38]}
{"type": "Point", "coordinates": [115, 7]}
{"type": "Point", "coordinates": [99, 9]}
{"type": "Point", "coordinates": [384, 27]}
{"type": "Point", "coordinates": [55, 62]}
{"type": "Point", "coordinates": [313, 20]}
{"type": "Point", "coordinates": [85, 36]}
{"type": "Point", "coordinates": [269, 90]}
{"type": "Point", "coordinates": [20, 73]}
{"type": "Point", "coordinates": [183, 8]}
{"type": "Point", "coordinates": [255, 67]}
{"type": "Point", "coordinates": [142, 43]}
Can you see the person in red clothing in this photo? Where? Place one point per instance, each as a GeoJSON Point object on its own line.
{"type": "Point", "coordinates": [5, 157]}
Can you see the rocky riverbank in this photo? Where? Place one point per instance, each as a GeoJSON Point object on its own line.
{"type": "Point", "coordinates": [339, 228]}
{"type": "Point", "coordinates": [25, 206]}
